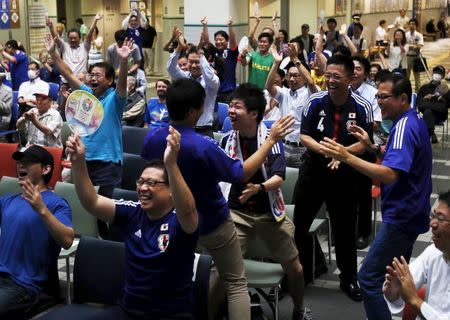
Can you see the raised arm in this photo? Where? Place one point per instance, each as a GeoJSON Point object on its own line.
{"type": "Point", "coordinates": [181, 195]}
{"type": "Point", "coordinates": [270, 82]}
{"type": "Point", "coordinates": [63, 68]}
{"type": "Point", "coordinates": [59, 41]}
{"type": "Point", "coordinates": [233, 41]}
{"type": "Point", "coordinates": [97, 205]}
{"type": "Point", "coordinates": [125, 21]}
{"type": "Point", "coordinates": [320, 59]}
{"type": "Point", "coordinates": [172, 64]}
{"type": "Point", "coordinates": [348, 42]}
{"type": "Point", "coordinates": [251, 34]}
{"type": "Point", "coordinates": [204, 35]}
{"type": "Point", "coordinates": [123, 52]}
{"type": "Point", "coordinates": [97, 17]}
{"type": "Point", "coordinates": [293, 55]}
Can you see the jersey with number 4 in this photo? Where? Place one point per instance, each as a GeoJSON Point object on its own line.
{"type": "Point", "coordinates": [321, 118]}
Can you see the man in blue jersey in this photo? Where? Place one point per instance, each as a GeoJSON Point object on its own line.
{"type": "Point", "coordinates": [203, 164]}
{"type": "Point", "coordinates": [156, 114]}
{"type": "Point", "coordinates": [34, 227]}
{"type": "Point", "coordinates": [159, 231]}
{"type": "Point", "coordinates": [405, 173]}
{"type": "Point", "coordinates": [323, 180]}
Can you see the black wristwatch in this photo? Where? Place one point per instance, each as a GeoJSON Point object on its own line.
{"type": "Point", "coordinates": [262, 187]}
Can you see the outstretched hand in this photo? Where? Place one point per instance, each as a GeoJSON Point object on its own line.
{"type": "Point", "coordinates": [173, 146]}
{"type": "Point", "coordinates": [32, 195]}
{"type": "Point", "coordinates": [276, 56]}
{"type": "Point", "coordinates": [293, 51]}
{"type": "Point", "coordinates": [204, 21]}
{"type": "Point", "coordinates": [361, 135]}
{"type": "Point", "coordinates": [332, 149]}
{"type": "Point", "coordinates": [49, 43]}
{"type": "Point", "coordinates": [281, 128]}
{"type": "Point", "coordinates": [126, 49]}
{"type": "Point", "coordinates": [98, 16]}
{"type": "Point", "coordinates": [75, 149]}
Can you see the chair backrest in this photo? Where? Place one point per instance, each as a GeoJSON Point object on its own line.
{"type": "Point", "coordinates": [133, 139]}
{"type": "Point", "coordinates": [120, 194]}
{"type": "Point", "coordinates": [226, 125]}
{"type": "Point", "coordinates": [83, 222]}
{"type": "Point", "coordinates": [288, 186]}
{"type": "Point", "coordinates": [7, 163]}
{"type": "Point", "coordinates": [99, 271]}
{"type": "Point", "coordinates": [201, 286]}
{"type": "Point", "coordinates": [57, 156]}
{"type": "Point", "coordinates": [9, 185]}
{"type": "Point", "coordinates": [133, 165]}
{"type": "Point", "coordinates": [222, 111]}
{"type": "Point", "coordinates": [53, 91]}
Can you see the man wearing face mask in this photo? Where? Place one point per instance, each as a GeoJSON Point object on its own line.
{"type": "Point", "coordinates": [433, 105]}
{"type": "Point", "coordinates": [27, 89]}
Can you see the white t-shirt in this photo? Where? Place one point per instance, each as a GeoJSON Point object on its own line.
{"type": "Point", "coordinates": [414, 38]}
{"type": "Point", "coordinates": [28, 88]}
{"type": "Point", "coordinates": [380, 34]}
{"type": "Point", "coordinates": [76, 58]}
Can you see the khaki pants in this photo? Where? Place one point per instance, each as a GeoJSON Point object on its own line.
{"type": "Point", "coordinates": [149, 57]}
{"type": "Point", "coordinates": [409, 68]}
{"type": "Point", "coordinates": [223, 245]}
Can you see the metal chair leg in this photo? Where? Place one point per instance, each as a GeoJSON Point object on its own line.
{"type": "Point", "coordinates": [69, 300]}
{"type": "Point", "coordinates": [276, 302]}
{"type": "Point", "coordinates": [329, 241]}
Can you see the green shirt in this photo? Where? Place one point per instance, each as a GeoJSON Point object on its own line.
{"type": "Point", "coordinates": [83, 30]}
{"type": "Point", "coordinates": [259, 68]}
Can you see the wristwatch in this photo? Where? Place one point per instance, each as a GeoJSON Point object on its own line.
{"type": "Point", "coordinates": [262, 187]}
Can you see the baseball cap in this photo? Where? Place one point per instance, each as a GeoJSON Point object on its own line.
{"type": "Point", "coordinates": [34, 154]}
{"type": "Point", "coordinates": [43, 91]}
{"type": "Point", "coordinates": [356, 16]}
{"type": "Point", "coordinates": [439, 69]}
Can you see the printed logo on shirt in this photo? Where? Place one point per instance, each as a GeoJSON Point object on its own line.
{"type": "Point", "coordinates": [138, 233]}
{"type": "Point", "coordinates": [322, 113]}
{"type": "Point", "coordinates": [350, 123]}
{"type": "Point", "coordinates": [163, 242]}
{"type": "Point", "coordinates": [165, 227]}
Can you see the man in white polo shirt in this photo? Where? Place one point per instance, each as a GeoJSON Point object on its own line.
{"type": "Point", "coordinates": [27, 89]}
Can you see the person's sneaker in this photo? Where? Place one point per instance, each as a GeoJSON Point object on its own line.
{"type": "Point", "coordinates": [434, 138]}
{"type": "Point", "coordinates": [305, 314]}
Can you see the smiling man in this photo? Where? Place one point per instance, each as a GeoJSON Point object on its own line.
{"type": "Point", "coordinates": [159, 231]}
{"type": "Point", "coordinates": [323, 180]}
{"type": "Point", "coordinates": [430, 269]}
{"type": "Point", "coordinates": [35, 225]}
{"type": "Point", "coordinates": [405, 174]}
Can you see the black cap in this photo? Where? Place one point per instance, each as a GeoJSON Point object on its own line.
{"type": "Point", "coordinates": [356, 16]}
{"type": "Point", "coordinates": [34, 154]}
{"type": "Point", "coordinates": [439, 69]}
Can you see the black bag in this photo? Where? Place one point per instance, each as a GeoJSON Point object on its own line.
{"type": "Point", "coordinates": [418, 66]}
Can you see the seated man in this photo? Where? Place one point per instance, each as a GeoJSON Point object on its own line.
{"type": "Point", "coordinates": [160, 234]}
{"type": "Point", "coordinates": [27, 89]}
{"type": "Point", "coordinates": [134, 110]}
{"type": "Point", "coordinates": [156, 114]}
{"type": "Point", "coordinates": [5, 107]}
{"type": "Point", "coordinates": [35, 225]}
{"type": "Point", "coordinates": [431, 268]}
{"type": "Point", "coordinates": [257, 206]}
{"type": "Point", "coordinates": [42, 124]}
{"type": "Point", "coordinates": [433, 105]}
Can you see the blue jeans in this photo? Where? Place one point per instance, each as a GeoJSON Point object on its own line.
{"type": "Point", "coordinates": [15, 299]}
{"type": "Point", "coordinates": [391, 241]}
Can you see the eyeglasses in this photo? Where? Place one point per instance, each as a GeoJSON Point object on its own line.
{"type": "Point", "coordinates": [383, 96]}
{"type": "Point", "coordinates": [333, 76]}
{"type": "Point", "coordinates": [439, 219]}
{"type": "Point", "coordinates": [95, 75]}
{"type": "Point", "coordinates": [150, 183]}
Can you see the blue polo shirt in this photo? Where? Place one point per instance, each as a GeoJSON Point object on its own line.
{"type": "Point", "coordinates": [19, 70]}
{"type": "Point", "coordinates": [406, 202]}
{"type": "Point", "coordinates": [159, 261]}
{"type": "Point", "coordinates": [228, 76]}
{"type": "Point", "coordinates": [27, 250]}
{"type": "Point", "coordinates": [105, 144]}
{"type": "Point", "coordinates": [203, 165]}
{"type": "Point", "coordinates": [156, 114]}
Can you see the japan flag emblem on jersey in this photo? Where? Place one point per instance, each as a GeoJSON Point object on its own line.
{"type": "Point", "coordinates": [163, 242]}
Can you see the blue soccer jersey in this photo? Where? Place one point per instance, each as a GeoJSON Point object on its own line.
{"type": "Point", "coordinates": [159, 261]}
{"type": "Point", "coordinates": [203, 165]}
{"type": "Point", "coordinates": [406, 202]}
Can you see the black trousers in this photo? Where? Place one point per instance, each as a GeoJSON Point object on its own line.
{"type": "Point", "coordinates": [433, 112]}
{"type": "Point", "coordinates": [337, 189]}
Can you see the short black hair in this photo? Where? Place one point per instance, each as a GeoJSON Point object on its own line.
{"type": "Point", "coordinates": [77, 31]}
{"type": "Point", "coordinates": [332, 20]}
{"type": "Point", "coordinates": [13, 44]}
{"type": "Point", "coordinates": [400, 85]}
{"type": "Point", "coordinates": [222, 33]}
{"type": "Point", "coordinates": [110, 73]}
{"type": "Point", "coordinates": [266, 35]}
{"type": "Point", "coordinates": [120, 35]}
{"type": "Point", "coordinates": [364, 62]}
{"type": "Point", "coordinates": [165, 81]}
{"type": "Point", "coordinates": [342, 50]}
{"type": "Point", "coordinates": [253, 98]}
{"type": "Point", "coordinates": [183, 95]}
{"type": "Point", "coordinates": [445, 197]}
{"type": "Point", "coordinates": [305, 26]}
{"type": "Point", "coordinates": [359, 25]}
{"type": "Point", "coordinates": [382, 22]}
{"type": "Point", "coordinates": [341, 60]}
{"type": "Point", "coordinates": [415, 22]}
{"type": "Point", "coordinates": [158, 164]}
{"type": "Point", "coordinates": [35, 63]}
{"type": "Point", "coordinates": [79, 20]}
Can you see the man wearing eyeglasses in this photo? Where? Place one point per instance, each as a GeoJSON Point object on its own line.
{"type": "Point", "coordinates": [430, 269]}
{"type": "Point", "coordinates": [159, 231]}
{"type": "Point", "coordinates": [405, 174]}
{"type": "Point", "coordinates": [323, 180]}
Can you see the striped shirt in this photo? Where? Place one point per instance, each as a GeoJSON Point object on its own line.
{"type": "Point", "coordinates": [50, 119]}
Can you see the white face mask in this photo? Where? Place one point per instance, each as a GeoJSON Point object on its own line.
{"type": "Point", "coordinates": [436, 77]}
{"type": "Point", "coordinates": [32, 74]}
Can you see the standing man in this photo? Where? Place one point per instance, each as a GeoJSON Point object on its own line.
{"type": "Point", "coordinates": [5, 107]}
{"type": "Point", "coordinates": [356, 17]}
{"type": "Point", "coordinates": [149, 38]}
{"type": "Point", "coordinates": [114, 59]}
{"type": "Point", "coordinates": [82, 27]}
{"type": "Point", "coordinates": [134, 25]}
{"type": "Point", "coordinates": [405, 174]}
{"type": "Point", "coordinates": [156, 114]}
{"type": "Point", "coordinates": [202, 72]}
{"type": "Point", "coordinates": [330, 114]}
{"type": "Point", "coordinates": [415, 41]}
{"type": "Point", "coordinates": [42, 124]}
{"type": "Point", "coordinates": [257, 206]}
{"type": "Point", "coordinates": [292, 100]}
{"type": "Point", "coordinates": [307, 39]}
{"type": "Point", "coordinates": [35, 225]}
{"type": "Point", "coordinates": [203, 164]}
{"type": "Point", "coordinates": [259, 61]}
{"type": "Point", "coordinates": [401, 22]}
